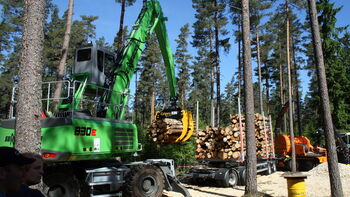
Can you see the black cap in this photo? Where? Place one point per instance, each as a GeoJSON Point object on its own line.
{"type": "Point", "coordinates": [10, 155]}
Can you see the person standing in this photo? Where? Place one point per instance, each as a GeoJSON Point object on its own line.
{"type": "Point", "coordinates": [11, 170]}
{"type": "Point", "coordinates": [32, 176]}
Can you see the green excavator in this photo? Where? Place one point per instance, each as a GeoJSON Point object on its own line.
{"type": "Point", "coordinates": [88, 130]}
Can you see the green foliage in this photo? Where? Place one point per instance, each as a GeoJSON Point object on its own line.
{"type": "Point", "coordinates": [182, 153]}
{"type": "Point", "coordinates": [182, 59]}
{"type": "Point", "coordinates": [194, 72]}
{"type": "Point", "coordinates": [150, 81]}
{"type": "Point", "coordinates": [127, 2]}
{"type": "Point", "coordinates": [337, 79]}
{"type": "Point", "coordinates": [230, 102]}
{"type": "Point", "coordinates": [199, 87]}
{"type": "Point", "coordinates": [335, 51]}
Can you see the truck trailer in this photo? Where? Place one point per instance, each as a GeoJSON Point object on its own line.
{"type": "Point", "coordinates": [221, 153]}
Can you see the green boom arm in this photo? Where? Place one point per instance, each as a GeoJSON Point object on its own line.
{"type": "Point", "coordinates": [150, 19]}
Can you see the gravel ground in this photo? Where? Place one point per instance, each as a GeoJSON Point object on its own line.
{"type": "Point", "coordinates": [317, 185]}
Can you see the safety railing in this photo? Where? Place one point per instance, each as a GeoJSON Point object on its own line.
{"type": "Point", "coordinates": [91, 103]}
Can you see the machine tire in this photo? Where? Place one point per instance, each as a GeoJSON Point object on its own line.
{"type": "Point", "coordinates": [144, 181]}
{"type": "Point", "coordinates": [289, 165]}
{"type": "Point", "coordinates": [308, 165]}
{"type": "Point", "coordinates": [61, 185]}
{"type": "Point", "coordinates": [231, 179]}
{"type": "Point", "coordinates": [243, 177]}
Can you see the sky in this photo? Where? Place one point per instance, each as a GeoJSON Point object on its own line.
{"type": "Point", "coordinates": [178, 12]}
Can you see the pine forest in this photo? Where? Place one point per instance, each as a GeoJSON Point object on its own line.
{"type": "Point", "coordinates": [198, 53]}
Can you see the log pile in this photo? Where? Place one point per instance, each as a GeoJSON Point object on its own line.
{"type": "Point", "coordinates": [165, 131]}
{"type": "Point", "coordinates": [225, 143]}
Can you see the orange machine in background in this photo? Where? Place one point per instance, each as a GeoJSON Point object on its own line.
{"type": "Point", "coordinates": [307, 155]}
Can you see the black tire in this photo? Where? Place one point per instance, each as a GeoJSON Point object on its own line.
{"type": "Point", "coordinates": [243, 177]}
{"type": "Point", "coordinates": [308, 165]}
{"type": "Point", "coordinates": [231, 179]}
{"type": "Point", "coordinates": [289, 165]}
{"type": "Point", "coordinates": [144, 181]}
{"type": "Point", "coordinates": [61, 185]}
{"type": "Point", "coordinates": [195, 181]}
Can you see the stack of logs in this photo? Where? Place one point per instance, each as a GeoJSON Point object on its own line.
{"type": "Point", "coordinates": [225, 143]}
{"type": "Point", "coordinates": [165, 131]}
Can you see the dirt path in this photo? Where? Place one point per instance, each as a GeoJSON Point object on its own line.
{"type": "Point", "coordinates": [317, 185]}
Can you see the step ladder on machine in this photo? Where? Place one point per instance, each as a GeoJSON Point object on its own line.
{"type": "Point", "coordinates": [105, 177]}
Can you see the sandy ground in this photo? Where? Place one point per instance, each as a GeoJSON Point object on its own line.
{"type": "Point", "coordinates": [317, 185]}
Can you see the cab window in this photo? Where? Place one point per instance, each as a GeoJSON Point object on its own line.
{"type": "Point", "coordinates": [109, 63]}
{"type": "Point", "coordinates": [83, 55]}
{"type": "Point", "coordinates": [100, 55]}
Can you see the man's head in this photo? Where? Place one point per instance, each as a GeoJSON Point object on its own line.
{"type": "Point", "coordinates": [11, 169]}
{"type": "Point", "coordinates": [33, 171]}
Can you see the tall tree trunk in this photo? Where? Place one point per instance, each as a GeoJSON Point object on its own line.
{"type": "Point", "coordinates": [282, 93]}
{"type": "Point", "coordinates": [281, 98]}
{"type": "Point", "coordinates": [239, 59]}
{"type": "Point", "coordinates": [334, 176]}
{"type": "Point", "coordinates": [152, 106]}
{"type": "Point", "coordinates": [297, 90]}
{"type": "Point", "coordinates": [28, 135]}
{"type": "Point", "coordinates": [64, 52]}
{"type": "Point", "coordinates": [251, 186]}
{"type": "Point", "coordinates": [267, 85]}
{"type": "Point", "coordinates": [217, 66]}
{"type": "Point", "coordinates": [121, 25]}
{"type": "Point", "coordinates": [183, 98]}
{"type": "Point", "coordinates": [212, 79]}
{"type": "Point", "coordinates": [259, 72]}
{"type": "Point", "coordinates": [290, 93]}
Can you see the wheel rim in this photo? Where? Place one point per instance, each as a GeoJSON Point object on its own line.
{"type": "Point", "coordinates": [232, 179]}
{"type": "Point", "coordinates": [149, 185]}
{"type": "Point", "coordinates": [274, 167]}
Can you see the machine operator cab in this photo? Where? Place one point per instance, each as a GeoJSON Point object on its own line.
{"type": "Point", "coordinates": [97, 62]}
{"type": "Point", "coordinates": [346, 138]}
{"type": "Point", "coordinates": [92, 75]}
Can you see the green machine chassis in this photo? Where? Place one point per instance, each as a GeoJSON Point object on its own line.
{"type": "Point", "coordinates": [80, 138]}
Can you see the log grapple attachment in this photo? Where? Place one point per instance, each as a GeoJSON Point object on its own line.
{"type": "Point", "coordinates": [171, 125]}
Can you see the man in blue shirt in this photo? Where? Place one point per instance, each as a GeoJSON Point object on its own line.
{"type": "Point", "coordinates": [11, 170]}
{"type": "Point", "coordinates": [32, 176]}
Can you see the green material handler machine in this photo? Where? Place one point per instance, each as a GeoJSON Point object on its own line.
{"type": "Point", "coordinates": [88, 131]}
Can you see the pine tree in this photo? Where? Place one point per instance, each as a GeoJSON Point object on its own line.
{"type": "Point", "coordinates": [337, 80]}
{"type": "Point", "coordinates": [273, 49]}
{"type": "Point", "coordinates": [334, 175]}
{"type": "Point", "coordinates": [182, 59]}
{"type": "Point", "coordinates": [251, 185]}
{"type": "Point", "coordinates": [64, 51]}
{"type": "Point", "coordinates": [118, 41]}
{"type": "Point", "coordinates": [149, 81]}
{"type": "Point", "coordinates": [229, 101]}
{"type": "Point", "coordinates": [209, 33]}
{"type": "Point", "coordinates": [258, 12]}
{"type": "Point", "coordinates": [28, 134]}
{"type": "Point", "coordinates": [199, 87]}
{"type": "Point", "coordinates": [12, 13]}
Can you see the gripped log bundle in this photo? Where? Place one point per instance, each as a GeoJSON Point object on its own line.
{"type": "Point", "coordinates": [225, 143]}
{"type": "Point", "coordinates": [165, 131]}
